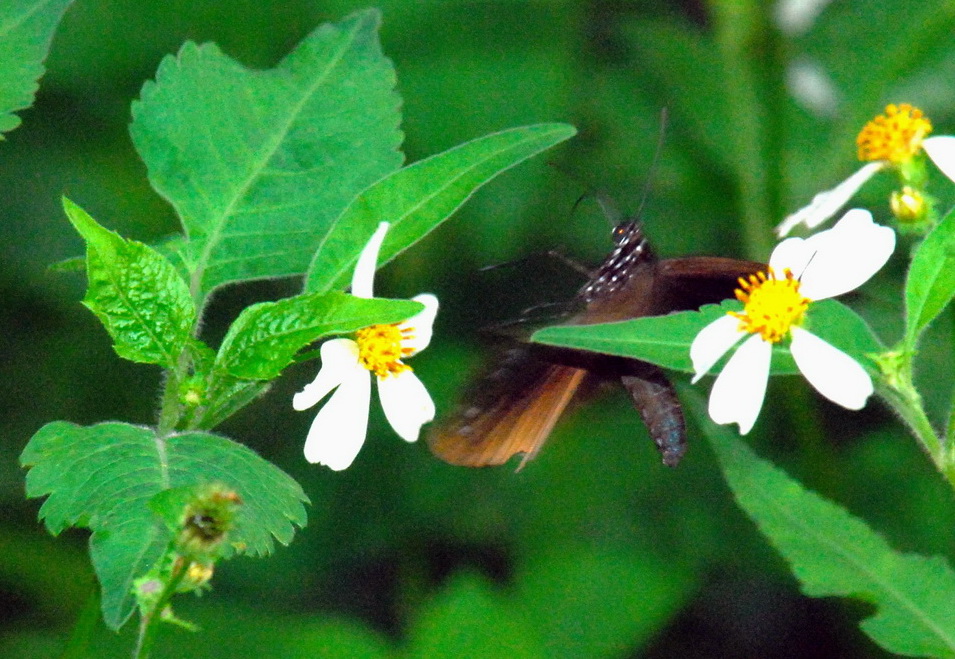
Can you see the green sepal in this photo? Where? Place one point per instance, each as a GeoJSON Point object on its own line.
{"type": "Point", "coordinates": [135, 292]}
{"type": "Point", "coordinates": [264, 338]}
{"type": "Point", "coordinates": [930, 284]}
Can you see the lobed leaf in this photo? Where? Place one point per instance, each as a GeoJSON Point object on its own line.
{"type": "Point", "coordinates": [665, 340]}
{"type": "Point", "coordinates": [833, 553]}
{"type": "Point", "coordinates": [419, 197]}
{"type": "Point", "coordinates": [135, 292]}
{"type": "Point", "coordinates": [26, 29]}
{"type": "Point", "coordinates": [930, 284]}
{"type": "Point", "coordinates": [264, 338]}
{"type": "Point", "coordinates": [102, 477]}
{"type": "Point", "coordinates": [258, 164]}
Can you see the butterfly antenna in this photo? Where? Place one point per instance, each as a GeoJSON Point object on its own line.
{"type": "Point", "coordinates": [661, 138]}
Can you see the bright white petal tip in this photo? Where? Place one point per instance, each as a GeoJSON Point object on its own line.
{"type": "Point", "coordinates": [846, 256]}
{"type": "Point", "coordinates": [362, 283]}
{"type": "Point", "coordinates": [338, 431]}
{"type": "Point", "coordinates": [339, 362]}
{"type": "Point", "coordinates": [738, 392]}
{"type": "Point", "coordinates": [421, 323]}
{"type": "Point", "coordinates": [941, 149]}
{"type": "Point", "coordinates": [406, 403]}
{"type": "Point", "coordinates": [712, 342]}
{"type": "Point", "coordinates": [827, 203]}
{"type": "Point", "coordinates": [833, 373]}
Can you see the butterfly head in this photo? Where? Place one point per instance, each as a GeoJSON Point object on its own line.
{"type": "Point", "coordinates": [630, 250]}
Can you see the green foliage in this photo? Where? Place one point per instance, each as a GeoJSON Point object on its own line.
{"type": "Point", "coordinates": [417, 198]}
{"type": "Point", "coordinates": [665, 340]}
{"type": "Point", "coordinates": [136, 293]}
{"type": "Point", "coordinates": [930, 283]}
{"type": "Point", "coordinates": [258, 164]}
{"type": "Point", "coordinates": [264, 338]}
{"type": "Point", "coordinates": [26, 29]}
{"type": "Point", "coordinates": [103, 477]}
{"type": "Point", "coordinates": [833, 553]}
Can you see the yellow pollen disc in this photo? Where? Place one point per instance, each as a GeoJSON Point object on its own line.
{"type": "Point", "coordinates": [380, 349]}
{"type": "Point", "coordinates": [895, 136]}
{"type": "Point", "coordinates": [773, 305]}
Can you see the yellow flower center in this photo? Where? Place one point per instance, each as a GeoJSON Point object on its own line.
{"type": "Point", "coordinates": [895, 136]}
{"type": "Point", "coordinates": [772, 304]}
{"type": "Point", "coordinates": [380, 349]}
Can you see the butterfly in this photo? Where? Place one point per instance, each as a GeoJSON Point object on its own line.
{"type": "Point", "coordinates": [518, 401]}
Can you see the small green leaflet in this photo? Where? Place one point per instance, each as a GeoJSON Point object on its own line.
{"type": "Point", "coordinates": [103, 477]}
{"type": "Point", "coordinates": [259, 163]}
{"type": "Point", "coordinates": [833, 553]}
{"type": "Point", "coordinates": [665, 340]}
{"type": "Point", "coordinates": [26, 29]}
{"type": "Point", "coordinates": [136, 293]}
{"type": "Point", "coordinates": [930, 284]}
{"type": "Point", "coordinates": [265, 337]}
{"type": "Point", "coordinates": [417, 198]}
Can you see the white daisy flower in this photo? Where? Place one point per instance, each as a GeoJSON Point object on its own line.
{"type": "Point", "coordinates": [892, 139]}
{"type": "Point", "coordinates": [339, 428]}
{"type": "Point", "coordinates": [801, 271]}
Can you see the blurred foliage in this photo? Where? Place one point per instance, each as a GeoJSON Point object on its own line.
{"type": "Point", "coordinates": [594, 549]}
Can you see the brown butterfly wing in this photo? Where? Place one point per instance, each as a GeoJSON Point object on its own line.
{"type": "Point", "coordinates": [513, 410]}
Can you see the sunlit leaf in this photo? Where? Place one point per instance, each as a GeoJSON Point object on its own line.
{"type": "Point", "coordinates": [930, 284]}
{"type": "Point", "coordinates": [102, 478]}
{"type": "Point", "coordinates": [259, 163]}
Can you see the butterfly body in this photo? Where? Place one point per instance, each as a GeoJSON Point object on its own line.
{"type": "Point", "coordinates": [516, 404]}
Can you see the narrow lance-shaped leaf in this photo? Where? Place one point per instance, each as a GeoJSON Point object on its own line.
{"type": "Point", "coordinates": [665, 340]}
{"type": "Point", "coordinates": [417, 198]}
{"type": "Point", "coordinates": [136, 293]}
{"type": "Point", "coordinates": [26, 29]}
{"type": "Point", "coordinates": [930, 284]}
{"type": "Point", "coordinates": [833, 553]}
{"type": "Point", "coordinates": [259, 163]}
{"type": "Point", "coordinates": [103, 477]}
{"type": "Point", "coordinates": [265, 337]}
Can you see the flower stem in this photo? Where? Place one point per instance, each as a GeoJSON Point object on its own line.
{"type": "Point", "coordinates": [149, 621]}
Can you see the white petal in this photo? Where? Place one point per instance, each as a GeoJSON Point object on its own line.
{"type": "Point", "coordinates": [339, 361]}
{"type": "Point", "coordinates": [833, 373]}
{"type": "Point", "coordinates": [712, 342]}
{"type": "Point", "coordinates": [739, 390]}
{"type": "Point", "coordinates": [339, 428]}
{"type": "Point", "coordinates": [846, 256]}
{"type": "Point", "coordinates": [406, 403]}
{"type": "Point", "coordinates": [363, 278]}
{"type": "Point", "coordinates": [827, 203]}
{"type": "Point", "coordinates": [792, 254]}
{"type": "Point", "coordinates": [941, 149]}
{"type": "Point", "coordinates": [421, 323]}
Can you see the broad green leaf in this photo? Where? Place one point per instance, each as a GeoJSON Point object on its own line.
{"type": "Point", "coordinates": [665, 340]}
{"type": "Point", "coordinates": [833, 553]}
{"type": "Point", "coordinates": [102, 477]}
{"type": "Point", "coordinates": [26, 29]}
{"type": "Point", "coordinates": [419, 197]}
{"type": "Point", "coordinates": [259, 163]}
{"type": "Point", "coordinates": [136, 293]}
{"type": "Point", "coordinates": [930, 284]}
{"type": "Point", "coordinates": [470, 619]}
{"type": "Point", "coordinates": [265, 337]}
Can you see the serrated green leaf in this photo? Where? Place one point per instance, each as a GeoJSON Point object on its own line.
{"type": "Point", "coordinates": [469, 619]}
{"type": "Point", "coordinates": [419, 197]}
{"type": "Point", "coordinates": [665, 340]}
{"type": "Point", "coordinates": [26, 29]}
{"type": "Point", "coordinates": [833, 553]}
{"type": "Point", "coordinates": [930, 284]}
{"type": "Point", "coordinates": [259, 163]}
{"type": "Point", "coordinates": [265, 337]}
{"type": "Point", "coordinates": [135, 292]}
{"type": "Point", "coordinates": [102, 477]}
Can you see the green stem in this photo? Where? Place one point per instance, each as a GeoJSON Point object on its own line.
{"type": "Point", "coordinates": [78, 645]}
{"type": "Point", "coordinates": [149, 623]}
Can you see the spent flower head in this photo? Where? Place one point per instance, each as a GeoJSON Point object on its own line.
{"type": "Point", "coordinates": [776, 302]}
{"type": "Point", "coordinates": [896, 140]}
{"type": "Point", "coordinates": [338, 431]}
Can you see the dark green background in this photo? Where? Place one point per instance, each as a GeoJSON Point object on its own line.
{"type": "Point", "coordinates": [594, 549]}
